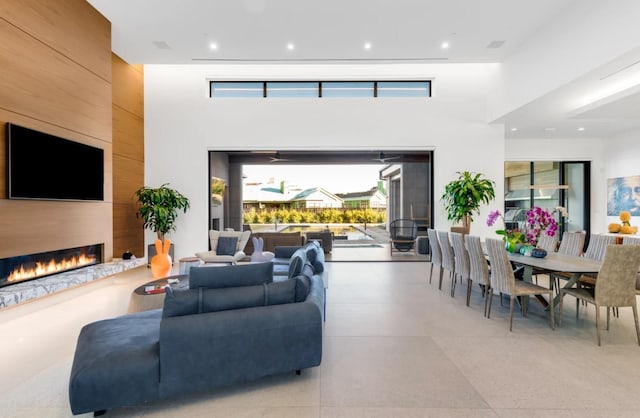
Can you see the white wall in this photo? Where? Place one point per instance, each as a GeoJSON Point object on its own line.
{"type": "Point", "coordinates": [588, 149]}
{"type": "Point", "coordinates": [591, 33]}
{"type": "Point", "coordinates": [182, 123]}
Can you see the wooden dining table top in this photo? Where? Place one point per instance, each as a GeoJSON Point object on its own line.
{"type": "Point", "coordinates": [558, 262]}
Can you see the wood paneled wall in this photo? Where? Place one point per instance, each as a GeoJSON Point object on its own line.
{"type": "Point", "coordinates": [56, 78]}
{"type": "Point", "coordinates": [128, 156]}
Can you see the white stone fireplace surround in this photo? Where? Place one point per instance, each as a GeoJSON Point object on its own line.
{"type": "Point", "coordinates": [51, 282]}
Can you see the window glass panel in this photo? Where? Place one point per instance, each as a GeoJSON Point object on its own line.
{"type": "Point", "coordinates": [404, 89]}
{"type": "Point", "coordinates": [347, 89]}
{"type": "Point", "coordinates": [237, 89]}
{"type": "Point", "coordinates": [291, 89]}
{"type": "Point", "coordinates": [546, 177]}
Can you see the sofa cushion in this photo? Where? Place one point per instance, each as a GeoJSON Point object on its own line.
{"type": "Point", "coordinates": [116, 362]}
{"type": "Point", "coordinates": [227, 245]}
{"type": "Point", "coordinates": [315, 256]}
{"type": "Point", "coordinates": [277, 293]}
{"type": "Point", "coordinates": [179, 302]}
{"type": "Point", "coordinates": [303, 286]}
{"type": "Point", "coordinates": [230, 276]}
{"type": "Point", "coordinates": [297, 262]}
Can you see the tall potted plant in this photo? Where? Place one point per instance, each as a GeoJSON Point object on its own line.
{"type": "Point", "coordinates": [462, 197]}
{"type": "Point", "coordinates": [159, 208]}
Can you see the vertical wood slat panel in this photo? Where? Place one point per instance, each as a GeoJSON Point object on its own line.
{"type": "Point", "coordinates": [129, 177]}
{"type": "Point", "coordinates": [33, 226]}
{"type": "Point", "coordinates": [40, 83]}
{"type": "Point", "coordinates": [128, 86]}
{"type": "Point", "coordinates": [128, 134]}
{"type": "Point", "coordinates": [128, 156]}
{"type": "Point", "coordinates": [56, 78]}
{"type": "Point", "coordinates": [73, 28]}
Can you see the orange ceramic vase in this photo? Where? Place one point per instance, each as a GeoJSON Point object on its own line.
{"type": "Point", "coordinates": [161, 262]}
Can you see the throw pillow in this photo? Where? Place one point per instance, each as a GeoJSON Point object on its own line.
{"type": "Point", "coordinates": [296, 262]}
{"type": "Point", "coordinates": [303, 286]}
{"type": "Point", "coordinates": [230, 276]}
{"type": "Point", "coordinates": [227, 245]}
{"type": "Point", "coordinates": [179, 302]}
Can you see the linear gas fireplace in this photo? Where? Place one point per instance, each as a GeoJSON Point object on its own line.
{"type": "Point", "coordinates": [34, 266]}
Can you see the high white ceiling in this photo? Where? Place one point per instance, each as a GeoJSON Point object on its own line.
{"type": "Point", "coordinates": [334, 31]}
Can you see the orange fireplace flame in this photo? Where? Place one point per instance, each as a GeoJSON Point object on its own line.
{"type": "Point", "coordinates": [50, 267]}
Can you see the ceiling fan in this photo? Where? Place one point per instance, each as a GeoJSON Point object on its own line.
{"type": "Point", "coordinates": [277, 158]}
{"type": "Point", "coordinates": [383, 159]}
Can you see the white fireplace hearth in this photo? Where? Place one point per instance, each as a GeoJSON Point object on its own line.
{"type": "Point", "coordinates": [24, 291]}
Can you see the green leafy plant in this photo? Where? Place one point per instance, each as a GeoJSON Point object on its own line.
{"type": "Point", "coordinates": [159, 208]}
{"type": "Point", "coordinates": [462, 197]}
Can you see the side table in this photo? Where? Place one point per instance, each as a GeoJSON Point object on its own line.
{"type": "Point", "coordinates": [186, 263]}
{"type": "Point", "coordinates": [142, 301]}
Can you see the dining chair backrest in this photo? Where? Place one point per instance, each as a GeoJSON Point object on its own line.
{"type": "Point", "coordinates": [460, 254]}
{"type": "Point", "coordinates": [616, 283]}
{"type": "Point", "coordinates": [548, 243]}
{"type": "Point", "coordinates": [478, 266]}
{"type": "Point", "coordinates": [436, 254]}
{"type": "Point", "coordinates": [597, 246]}
{"type": "Point", "coordinates": [448, 260]}
{"type": "Point", "coordinates": [572, 243]}
{"type": "Point", "coordinates": [630, 240]}
{"type": "Point", "coordinates": [502, 277]}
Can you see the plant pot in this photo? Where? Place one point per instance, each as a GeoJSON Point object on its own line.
{"type": "Point", "coordinates": [161, 261]}
{"type": "Point", "coordinates": [151, 251]}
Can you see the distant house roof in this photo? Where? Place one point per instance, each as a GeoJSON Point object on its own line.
{"type": "Point", "coordinates": [356, 195]}
{"type": "Point", "coordinates": [374, 196]}
{"type": "Point", "coordinates": [321, 197]}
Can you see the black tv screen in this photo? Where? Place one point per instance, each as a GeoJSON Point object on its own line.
{"type": "Point", "coordinates": [44, 166]}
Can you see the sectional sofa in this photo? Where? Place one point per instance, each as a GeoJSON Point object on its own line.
{"type": "Point", "coordinates": [233, 324]}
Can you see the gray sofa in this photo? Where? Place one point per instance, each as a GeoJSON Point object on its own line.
{"type": "Point", "coordinates": [290, 261]}
{"type": "Point", "coordinates": [234, 324]}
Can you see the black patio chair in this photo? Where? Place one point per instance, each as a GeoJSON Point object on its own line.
{"type": "Point", "coordinates": [403, 233]}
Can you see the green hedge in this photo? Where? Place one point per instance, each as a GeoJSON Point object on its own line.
{"type": "Point", "coordinates": [311, 216]}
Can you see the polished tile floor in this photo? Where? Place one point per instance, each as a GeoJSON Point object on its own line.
{"type": "Point", "coordinates": [394, 346]}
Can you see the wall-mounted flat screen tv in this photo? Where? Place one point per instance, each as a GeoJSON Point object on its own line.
{"type": "Point", "coordinates": [44, 166]}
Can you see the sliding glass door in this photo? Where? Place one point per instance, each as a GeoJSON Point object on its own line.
{"type": "Point", "coordinates": [549, 185]}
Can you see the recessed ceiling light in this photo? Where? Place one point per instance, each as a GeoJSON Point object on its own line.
{"type": "Point", "coordinates": [213, 46]}
{"type": "Point", "coordinates": [514, 129]}
{"type": "Point", "coordinates": [445, 45]}
{"type": "Point", "coordinates": [290, 46]}
{"type": "Point", "coordinates": [550, 129]}
{"type": "Point", "coordinates": [367, 45]}
{"type": "Point", "coordinates": [581, 128]}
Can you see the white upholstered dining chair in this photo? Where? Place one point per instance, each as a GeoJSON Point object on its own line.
{"type": "Point", "coordinates": [448, 260]}
{"type": "Point", "coordinates": [572, 244]}
{"type": "Point", "coordinates": [478, 268]}
{"type": "Point", "coordinates": [461, 259]}
{"type": "Point", "coordinates": [504, 281]}
{"type": "Point", "coordinates": [436, 255]}
{"type": "Point", "coordinates": [614, 287]}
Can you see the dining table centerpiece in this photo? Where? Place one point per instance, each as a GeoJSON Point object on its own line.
{"type": "Point", "coordinates": [538, 221]}
{"type": "Point", "coordinates": [541, 221]}
{"type": "Point", "coordinates": [511, 237]}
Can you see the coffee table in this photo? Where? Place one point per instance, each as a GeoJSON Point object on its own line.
{"type": "Point", "coordinates": [144, 301]}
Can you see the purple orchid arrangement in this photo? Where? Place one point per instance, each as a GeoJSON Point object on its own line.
{"type": "Point", "coordinates": [513, 236]}
{"type": "Point", "coordinates": [539, 221]}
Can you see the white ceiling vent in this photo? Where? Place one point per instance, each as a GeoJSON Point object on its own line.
{"type": "Point", "coordinates": [495, 44]}
{"type": "Point", "coordinates": [161, 44]}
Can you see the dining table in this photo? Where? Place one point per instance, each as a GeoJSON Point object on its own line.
{"type": "Point", "coordinates": [576, 266]}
